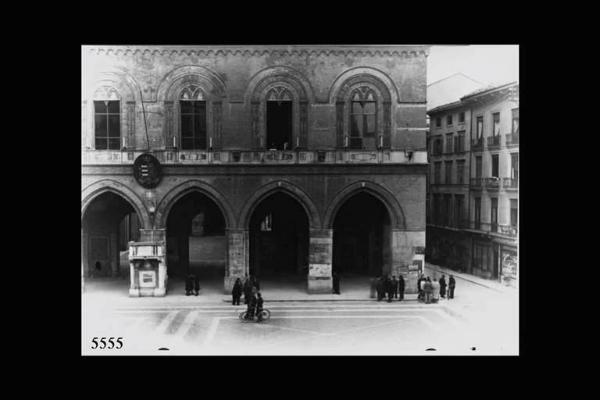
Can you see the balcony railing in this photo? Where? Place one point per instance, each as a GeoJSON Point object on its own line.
{"type": "Point", "coordinates": [493, 141]}
{"type": "Point", "coordinates": [504, 230]}
{"type": "Point", "coordinates": [477, 144]}
{"type": "Point", "coordinates": [492, 183]}
{"type": "Point", "coordinates": [512, 139]}
{"type": "Point", "coordinates": [199, 157]}
{"type": "Point", "coordinates": [510, 183]}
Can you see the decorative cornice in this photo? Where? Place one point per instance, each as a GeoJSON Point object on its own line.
{"type": "Point", "coordinates": [402, 51]}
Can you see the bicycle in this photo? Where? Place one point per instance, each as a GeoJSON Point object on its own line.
{"type": "Point", "coordinates": [264, 316]}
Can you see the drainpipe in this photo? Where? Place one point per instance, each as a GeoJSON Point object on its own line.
{"type": "Point", "coordinates": [469, 187]}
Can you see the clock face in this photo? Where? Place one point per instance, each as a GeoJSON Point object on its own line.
{"type": "Point", "coordinates": [147, 171]}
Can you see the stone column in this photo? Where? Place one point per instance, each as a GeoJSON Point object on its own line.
{"type": "Point", "coordinates": [320, 261]}
{"type": "Point", "coordinates": [404, 245]}
{"type": "Point", "coordinates": [238, 241]}
{"type": "Point", "coordinates": [114, 254]}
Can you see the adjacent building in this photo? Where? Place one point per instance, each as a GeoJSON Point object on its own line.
{"type": "Point", "coordinates": [473, 183]}
{"type": "Point", "coordinates": [268, 160]}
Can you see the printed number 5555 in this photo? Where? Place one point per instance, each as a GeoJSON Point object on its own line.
{"type": "Point", "coordinates": [101, 343]}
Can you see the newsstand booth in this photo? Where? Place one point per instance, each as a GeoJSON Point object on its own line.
{"type": "Point", "coordinates": [148, 269]}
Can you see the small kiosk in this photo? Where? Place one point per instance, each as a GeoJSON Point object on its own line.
{"type": "Point", "coordinates": [148, 269]}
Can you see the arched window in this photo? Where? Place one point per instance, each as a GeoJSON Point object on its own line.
{"type": "Point", "coordinates": [193, 118]}
{"type": "Point", "coordinates": [363, 118]}
{"type": "Point", "coordinates": [279, 118]}
{"type": "Point", "coordinates": [107, 119]}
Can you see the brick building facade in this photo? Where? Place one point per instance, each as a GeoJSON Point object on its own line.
{"type": "Point", "coordinates": [303, 160]}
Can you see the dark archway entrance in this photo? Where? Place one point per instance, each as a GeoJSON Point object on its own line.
{"type": "Point", "coordinates": [361, 237]}
{"type": "Point", "coordinates": [108, 224]}
{"type": "Point", "coordinates": [196, 241]}
{"type": "Point", "coordinates": [279, 238]}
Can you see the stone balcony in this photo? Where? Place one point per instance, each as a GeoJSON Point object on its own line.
{"type": "Point", "coordinates": [493, 142]}
{"type": "Point", "coordinates": [493, 183]}
{"type": "Point", "coordinates": [508, 231]}
{"type": "Point", "coordinates": [233, 157]}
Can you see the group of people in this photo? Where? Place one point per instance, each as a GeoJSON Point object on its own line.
{"type": "Point", "coordinates": [192, 285]}
{"type": "Point", "coordinates": [430, 290]}
{"type": "Point", "coordinates": [385, 286]}
{"type": "Point", "coordinates": [252, 297]}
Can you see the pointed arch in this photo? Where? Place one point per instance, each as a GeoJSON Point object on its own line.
{"type": "Point", "coordinates": [90, 192]}
{"type": "Point", "coordinates": [388, 199]}
{"type": "Point", "coordinates": [280, 186]}
{"type": "Point", "coordinates": [176, 193]}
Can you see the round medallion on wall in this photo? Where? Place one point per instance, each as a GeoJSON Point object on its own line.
{"type": "Point", "coordinates": [147, 170]}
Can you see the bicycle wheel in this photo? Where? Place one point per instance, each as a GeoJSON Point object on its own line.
{"type": "Point", "coordinates": [265, 314]}
{"type": "Point", "coordinates": [243, 315]}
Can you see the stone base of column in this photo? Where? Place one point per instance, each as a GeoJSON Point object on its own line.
{"type": "Point", "coordinates": [320, 285]}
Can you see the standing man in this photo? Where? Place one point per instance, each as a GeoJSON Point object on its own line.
{"type": "Point", "coordinates": [395, 286]}
{"type": "Point", "coordinates": [196, 284]}
{"type": "Point", "coordinates": [390, 288]}
{"type": "Point", "coordinates": [451, 286]}
{"type": "Point", "coordinates": [189, 284]}
{"type": "Point", "coordinates": [401, 287]}
{"type": "Point", "coordinates": [236, 292]}
{"type": "Point", "coordinates": [443, 286]}
{"type": "Point", "coordinates": [419, 287]}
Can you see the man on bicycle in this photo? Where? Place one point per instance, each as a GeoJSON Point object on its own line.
{"type": "Point", "coordinates": [251, 305]}
{"type": "Point", "coordinates": [259, 306]}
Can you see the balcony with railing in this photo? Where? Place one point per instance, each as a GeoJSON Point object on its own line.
{"type": "Point", "coordinates": [477, 144]}
{"type": "Point", "coordinates": [200, 157]}
{"type": "Point", "coordinates": [492, 183]}
{"type": "Point", "coordinates": [512, 139]}
{"type": "Point", "coordinates": [508, 231]}
{"type": "Point", "coordinates": [493, 142]}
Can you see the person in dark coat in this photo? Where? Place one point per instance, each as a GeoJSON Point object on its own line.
{"type": "Point", "coordinates": [419, 290]}
{"type": "Point", "coordinates": [379, 288]}
{"type": "Point", "coordinates": [395, 286]}
{"type": "Point", "coordinates": [259, 306]}
{"type": "Point", "coordinates": [428, 289]}
{"type": "Point", "coordinates": [254, 282]}
{"type": "Point", "coordinates": [189, 284]}
{"type": "Point", "coordinates": [196, 284]}
{"type": "Point", "coordinates": [336, 283]}
{"type": "Point", "coordinates": [247, 289]}
{"type": "Point", "coordinates": [236, 292]}
{"type": "Point", "coordinates": [443, 286]}
{"type": "Point", "coordinates": [401, 288]}
{"type": "Point", "coordinates": [390, 288]}
{"type": "Point", "coordinates": [451, 286]}
{"type": "Point", "coordinates": [251, 305]}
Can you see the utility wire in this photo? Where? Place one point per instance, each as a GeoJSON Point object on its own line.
{"type": "Point", "coordinates": [145, 123]}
